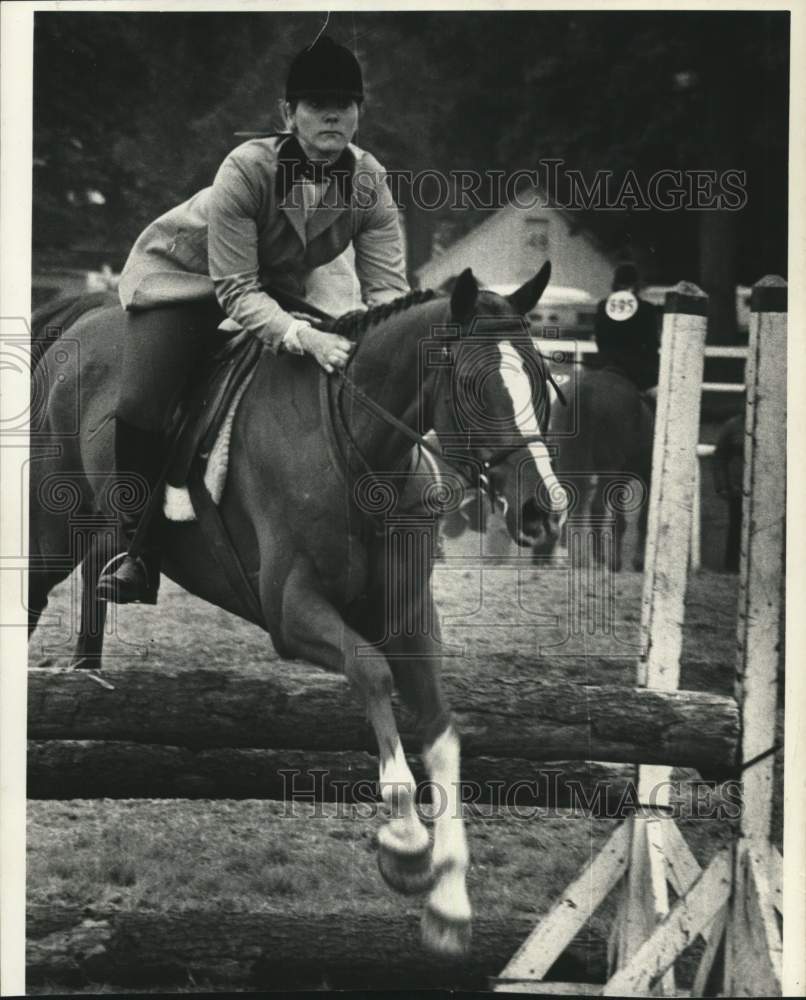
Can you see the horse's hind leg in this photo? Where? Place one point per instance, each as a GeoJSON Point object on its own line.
{"type": "Point", "coordinates": [608, 522]}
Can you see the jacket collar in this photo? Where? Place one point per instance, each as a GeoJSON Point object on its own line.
{"type": "Point", "coordinates": [293, 166]}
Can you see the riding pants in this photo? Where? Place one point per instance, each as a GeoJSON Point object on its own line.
{"type": "Point", "coordinates": [161, 350]}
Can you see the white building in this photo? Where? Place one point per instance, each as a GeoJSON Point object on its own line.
{"type": "Point", "coordinates": [511, 244]}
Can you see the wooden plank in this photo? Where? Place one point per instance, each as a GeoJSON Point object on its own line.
{"type": "Point", "coordinates": [645, 900]}
{"type": "Point", "coordinates": [682, 868]}
{"type": "Point", "coordinates": [686, 919]}
{"type": "Point", "coordinates": [754, 950]}
{"type": "Point", "coordinates": [570, 912]}
{"type": "Point", "coordinates": [776, 877]}
{"type": "Point", "coordinates": [714, 943]}
{"type": "Point", "coordinates": [674, 460]}
{"type": "Point", "coordinates": [544, 989]}
{"type": "Point", "coordinates": [763, 900]}
{"type": "Point", "coordinates": [656, 830]}
{"type": "Point", "coordinates": [761, 579]}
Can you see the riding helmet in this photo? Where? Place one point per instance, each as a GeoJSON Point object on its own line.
{"type": "Point", "coordinates": [324, 68]}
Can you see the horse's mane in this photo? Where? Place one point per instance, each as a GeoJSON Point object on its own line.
{"type": "Point", "coordinates": [354, 324]}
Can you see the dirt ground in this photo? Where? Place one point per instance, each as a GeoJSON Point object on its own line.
{"type": "Point", "coordinates": [109, 861]}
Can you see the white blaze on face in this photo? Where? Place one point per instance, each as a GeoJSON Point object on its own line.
{"type": "Point", "coordinates": [520, 391]}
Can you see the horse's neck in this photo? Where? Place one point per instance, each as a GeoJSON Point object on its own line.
{"type": "Point", "coordinates": [387, 369]}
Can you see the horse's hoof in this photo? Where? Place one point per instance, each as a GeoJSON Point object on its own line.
{"type": "Point", "coordinates": [445, 936]}
{"type": "Point", "coordinates": [408, 874]}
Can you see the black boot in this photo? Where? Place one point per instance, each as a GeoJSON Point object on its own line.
{"type": "Point", "coordinates": [133, 576]}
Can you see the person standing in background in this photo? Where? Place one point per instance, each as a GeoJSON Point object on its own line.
{"type": "Point", "coordinates": [626, 329]}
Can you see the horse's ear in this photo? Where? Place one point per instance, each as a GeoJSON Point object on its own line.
{"type": "Point", "coordinates": [464, 295]}
{"type": "Point", "coordinates": [527, 296]}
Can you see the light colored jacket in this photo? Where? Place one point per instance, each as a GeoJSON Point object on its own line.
{"type": "Point", "coordinates": [245, 233]}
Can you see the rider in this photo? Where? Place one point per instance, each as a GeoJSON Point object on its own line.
{"type": "Point", "coordinates": [626, 331]}
{"type": "Point", "coordinates": [279, 207]}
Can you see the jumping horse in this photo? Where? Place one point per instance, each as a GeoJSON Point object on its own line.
{"type": "Point", "coordinates": [307, 451]}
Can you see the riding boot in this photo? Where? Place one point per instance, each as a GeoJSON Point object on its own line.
{"type": "Point", "coordinates": [133, 576]}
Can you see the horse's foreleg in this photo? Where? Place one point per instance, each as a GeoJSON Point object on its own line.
{"type": "Point", "coordinates": [446, 922]}
{"type": "Point", "coordinates": [314, 630]}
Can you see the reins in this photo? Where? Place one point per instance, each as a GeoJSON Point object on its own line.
{"type": "Point", "coordinates": [458, 465]}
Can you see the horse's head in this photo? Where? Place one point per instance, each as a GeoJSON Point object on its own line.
{"type": "Point", "coordinates": [491, 405]}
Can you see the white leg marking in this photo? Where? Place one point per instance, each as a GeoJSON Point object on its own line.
{"type": "Point", "coordinates": [451, 856]}
{"type": "Point", "coordinates": [405, 832]}
{"type": "Point", "coordinates": [520, 391]}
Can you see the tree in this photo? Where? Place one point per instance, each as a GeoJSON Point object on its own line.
{"type": "Point", "coordinates": [141, 107]}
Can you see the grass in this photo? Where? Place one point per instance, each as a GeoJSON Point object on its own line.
{"type": "Point", "coordinates": [248, 856]}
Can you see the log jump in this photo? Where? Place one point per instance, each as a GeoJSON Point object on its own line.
{"type": "Point", "coordinates": [300, 707]}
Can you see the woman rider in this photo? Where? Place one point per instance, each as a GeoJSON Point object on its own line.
{"type": "Point", "coordinates": [279, 207]}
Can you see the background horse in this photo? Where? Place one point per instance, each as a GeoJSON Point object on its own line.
{"type": "Point", "coordinates": [603, 439]}
{"type": "Point", "coordinates": [311, 474]}
{"type": "Point", "coordinates": [728, 471]}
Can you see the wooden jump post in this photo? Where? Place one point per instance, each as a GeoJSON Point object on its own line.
{"type": "Point", "coordinates": [732, 903]}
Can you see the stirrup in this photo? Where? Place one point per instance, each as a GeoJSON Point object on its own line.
{"type": "Point", "coordinates": [115, 559]}
{"type": "Point", "coordinates": [108, 588]}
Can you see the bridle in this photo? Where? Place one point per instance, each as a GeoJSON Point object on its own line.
{"type": "Point", "coordinates": [479, 480]}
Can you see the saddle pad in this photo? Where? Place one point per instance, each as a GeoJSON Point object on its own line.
{"type": "Point", "coordinates": [177, 505]}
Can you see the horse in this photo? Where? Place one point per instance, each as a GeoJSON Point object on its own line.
{"type": "Point", "coordinates": [309, 458]}
{"type": "Point", "coordinates": [603, 439]}
{"type": "Point", "coordinates": [728, 472]}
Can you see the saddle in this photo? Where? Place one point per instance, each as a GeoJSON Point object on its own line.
{"type": "Point", "coordinates": [199, 421]}
{"type": "Point", "coordinates": [208, 403]}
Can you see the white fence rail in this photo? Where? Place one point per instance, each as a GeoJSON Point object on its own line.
{"type": "Point", "coordinates": [578, 348]}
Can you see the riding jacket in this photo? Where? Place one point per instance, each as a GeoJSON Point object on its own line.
{"type": "Point", "coordinates": [258, 227]}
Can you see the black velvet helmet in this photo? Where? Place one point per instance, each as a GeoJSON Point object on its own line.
{"type": "Point", "coordinates": [324, 68]}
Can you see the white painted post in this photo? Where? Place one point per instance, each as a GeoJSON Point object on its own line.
{"type": "Point", "coordinates": [674, 459]}
{"type": "Point", "coordinates": [645, 900]}
{"type": "Point", "coordinates": [761, 578]}
{"type": "Point", "coordinates": [753, 942]}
